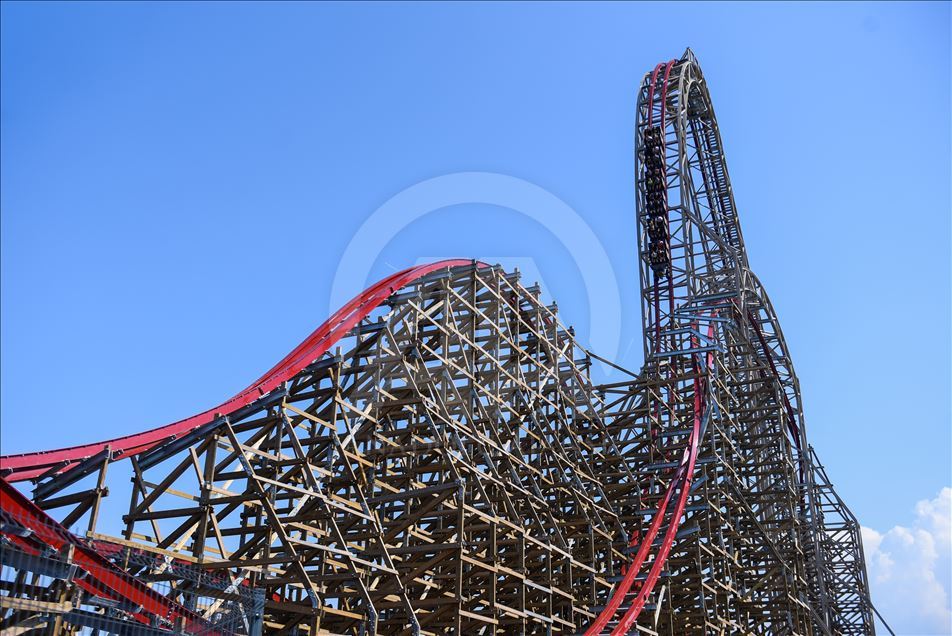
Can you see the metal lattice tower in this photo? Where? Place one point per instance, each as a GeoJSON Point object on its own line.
{"type": "Point", "coordinates": [435, 459]}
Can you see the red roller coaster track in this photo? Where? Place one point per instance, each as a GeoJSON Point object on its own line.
{"type": "Point", "coordinates": [102, 577]}
{"type": "Point", "coordinates": [681, 482]}
{"type": "Point", "coordinates": [29, 465]}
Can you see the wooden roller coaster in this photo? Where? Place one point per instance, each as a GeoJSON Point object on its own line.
{"type": "Point", "coordinates": [436, 459]}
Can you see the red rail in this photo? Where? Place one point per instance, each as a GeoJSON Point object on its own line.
{"type": "Point", "coordinates": [686, 467]}
{"type": "Point", "coordinates": [30, 465]}
{"type": "Point", "coordinates": [102, 576]}
{"type": "Point", "coordinates": [680, 483]}
{"type": "Point", "coordinates": [684, 477]}
{"type": "Point", "coordinates": [681, 480]}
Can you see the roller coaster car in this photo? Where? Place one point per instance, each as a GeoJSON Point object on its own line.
{"type": "Point", "coordinates": [658, 227]}
{"type": "Point", "coordinates": [660, 269]}
{"type": "Point", "coordinates": [659, 250]}
{"type": "Point", "coordinates": [659, 257]}
{"type": "Point", "coordinates": [654, 165]}
{"type": "Point", "coordinates": [655, 203]}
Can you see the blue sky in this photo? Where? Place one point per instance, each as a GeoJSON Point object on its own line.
{"type": "Point", "coordinates": [180, 182]}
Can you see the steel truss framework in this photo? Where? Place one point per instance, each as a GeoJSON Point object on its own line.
{"type": "Point", "coordinates": [435, 459]}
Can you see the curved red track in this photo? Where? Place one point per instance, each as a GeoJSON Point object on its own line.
{"type": "Point", "coordinates": [30, 465]}
{"type": "Point", "coordinates": [102, 577]}
{"type": "Point", "coordinates": [681, 481]}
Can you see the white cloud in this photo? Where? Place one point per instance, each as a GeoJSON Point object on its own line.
{"type": "Point", "coordinates": [910, 569]}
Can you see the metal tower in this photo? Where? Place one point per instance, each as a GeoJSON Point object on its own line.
{"type": "Point", "coordinates": [736, 528]}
